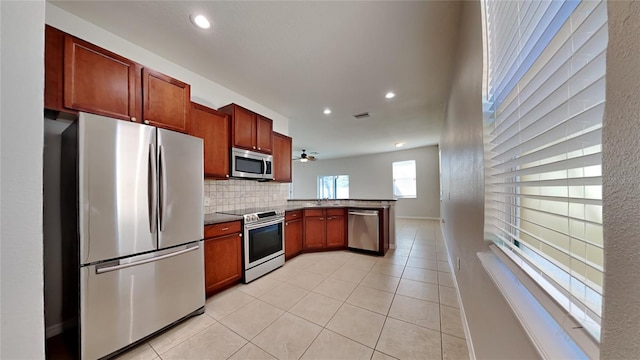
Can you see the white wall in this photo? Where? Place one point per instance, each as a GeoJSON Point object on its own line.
{"type": "Point", "coordinates": [371, 177]}
{"type": "Point", "coordinates": [621, 193]}
{"type": "Point", "coordinates": [495, 332]}
{"type": "Point", "coordinates": [22, 73]}
{"type": "Point", "coordinates": [203, 91]}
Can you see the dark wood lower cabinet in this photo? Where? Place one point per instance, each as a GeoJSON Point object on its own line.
{"type": "Point", "coordinates": [314, 232]}
{"type": "Point", "coordinates": [292, 238]}
{"type": "Point", "coordinates": [324, 229]}
{"type": "Point", "coordinates": [222, 258]}
{"type": "Point", "coordinates": [336, 230]}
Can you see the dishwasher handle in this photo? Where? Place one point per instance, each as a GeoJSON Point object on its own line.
{"type": "Point", "coordinates": [362, 213]}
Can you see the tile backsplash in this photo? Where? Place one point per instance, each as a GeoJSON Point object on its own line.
{"type": "Point", "coordinates": [225, 195]}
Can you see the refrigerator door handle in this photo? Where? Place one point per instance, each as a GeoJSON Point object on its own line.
{"type": "Point", "coordinates": [101, 269]}
{"type": "Point", "coordinates": [163, 187]}
{"type": "Point", "coordinates": [152, 188]}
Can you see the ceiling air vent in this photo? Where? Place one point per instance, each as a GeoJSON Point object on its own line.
{"type": "Point", "coordinates": [363, 115]}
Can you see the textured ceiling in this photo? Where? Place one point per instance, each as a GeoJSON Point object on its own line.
{"type": "Point", "coordinates": [298, 57]}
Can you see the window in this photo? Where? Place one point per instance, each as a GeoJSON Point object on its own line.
{"type": "Point", "coordinates": [545, 95]}
{"type": "Point", "coordinates": [333, 187]}
{"type": "Point", "coordinates": [404, 179]}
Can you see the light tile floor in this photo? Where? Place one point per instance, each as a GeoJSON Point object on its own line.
{"type": "Point", "coordinates": [332, 305]}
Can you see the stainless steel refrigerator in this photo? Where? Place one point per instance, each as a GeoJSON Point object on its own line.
{"type": "Point", "coordinates": [134, 202]}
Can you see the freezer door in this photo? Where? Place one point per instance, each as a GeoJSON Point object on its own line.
{"type": "Point", "coordinates": [116, 174]}
{"type": "Point", "coordinates": [181, 189]}
{"type": "Point", "coordinates": [124, 301]}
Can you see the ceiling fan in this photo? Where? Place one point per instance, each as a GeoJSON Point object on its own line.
{"type": "Point", "coordinates": [304, 157]}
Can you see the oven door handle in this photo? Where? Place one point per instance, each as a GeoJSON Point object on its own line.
{"type": "Point", "coordinates": [263, 224]}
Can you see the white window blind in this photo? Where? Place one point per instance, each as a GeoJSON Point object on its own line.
{"type": "Point", "coordinates": [546, 91]}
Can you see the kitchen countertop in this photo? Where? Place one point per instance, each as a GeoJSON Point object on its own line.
{"type": "Point", "coordinates": [301, 204]}
{"type": "Point", "coordinates": [216, 218]}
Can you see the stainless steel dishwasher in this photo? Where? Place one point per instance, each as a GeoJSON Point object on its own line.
{"type": "Point", "coordinates": [364, 232]}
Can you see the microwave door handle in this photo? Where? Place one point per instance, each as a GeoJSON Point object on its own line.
{"type": "Point", "coordinates": [264, 167]}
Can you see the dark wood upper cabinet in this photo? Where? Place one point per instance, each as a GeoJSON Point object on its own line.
{"type": "Point", "coordinates": [167, 101]}
{"type": "Point", "coordinates": [249, 130]}
{"type": "Point", "coordinates": [282, 152]}
{"type": "Point", "coordinates": [212, 127]}
{"type": "Point", "coordinates": [264, 132]}
{"type": "Point", "coordinates": [99, 81]}
{"type": "Point", "coordinates": [54, 69]}
{"type": "Point", "coordinates": [80, 76]}
{"type": "Point", "coordinates": [243, 128]}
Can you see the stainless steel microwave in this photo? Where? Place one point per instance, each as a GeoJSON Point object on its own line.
{"type": "Point", "coordinates": [251, 165]}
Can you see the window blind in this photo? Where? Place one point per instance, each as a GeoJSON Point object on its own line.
{"type": "Point", "coordinates": [546, 94]}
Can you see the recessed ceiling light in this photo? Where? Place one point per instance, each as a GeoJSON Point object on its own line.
{"type": "Point", "coordinates": [200, 21]}
{"type": "Point", "coordinates": [400, 144]}
{"type": "Point", "coordinates": [327, 111]}
{"type": "Point", "coordinates": [390, 95]}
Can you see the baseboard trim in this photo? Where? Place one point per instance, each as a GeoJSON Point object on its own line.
{"type": "Point", "coordinates": [59, 328]}
{"type": "Point", "coordinates": [418, 218]}
{"type": "Point", "coordinates": [465, 324]}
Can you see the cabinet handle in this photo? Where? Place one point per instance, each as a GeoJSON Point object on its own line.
{"type": "Point", "coordinates": [146, 122]}
{"type": "Point", "coordinates": [239, 235]}
{"type": "Point", "coordinates": [225, 229]}
{"type": "Point", "coordinates": [329, 218]}
{"type": "Point", "coordinates": [259, 148]}
{"type": "Point", "coordinates": [227, 175]}
{"type": "Point", "coordinates": [254, 147]}
{"type": "Point", "coordinates": [134, 119]}
{"type": "Point", "coordinates": [321, 218]}
{"type": "Point", "coordinates": [286, 224]}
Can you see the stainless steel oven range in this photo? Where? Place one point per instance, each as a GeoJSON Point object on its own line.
{"type": "Point", "coordinates": [263, 243]}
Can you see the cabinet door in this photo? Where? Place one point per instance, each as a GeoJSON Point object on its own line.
{"type": "Point", "coordinates": [213, 128]}
{"type": "Point", "coordinates": [167, 101]}
{"type": "Point", "coordinates": [54, 69]}
{"type": "Point", "coordinates": [99, 82]}
{"type": "Point", "coordinates": [264, 134]}
{"type": "Point", "coordinates": [314, 232]}
{"type": "Point", "coordinates": [281, 158]}
{"type": "Point", "coordinates": [293, 238]}
{"type": "Point", "coordinates": [335, 231]}
{"type": "Point", "coordinates": [243, 128]}
{"type": "Point", "coordinates": [222, 262]}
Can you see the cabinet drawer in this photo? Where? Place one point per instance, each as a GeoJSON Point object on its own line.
{"type": "Point", "coordinates": [313, 212]}
{"type": "Point", "coordinates": [335, 212]}
{"type": "Point", "coordinates": [222, 229]}
{"type": "Point", "coordinates": [292, 215]}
